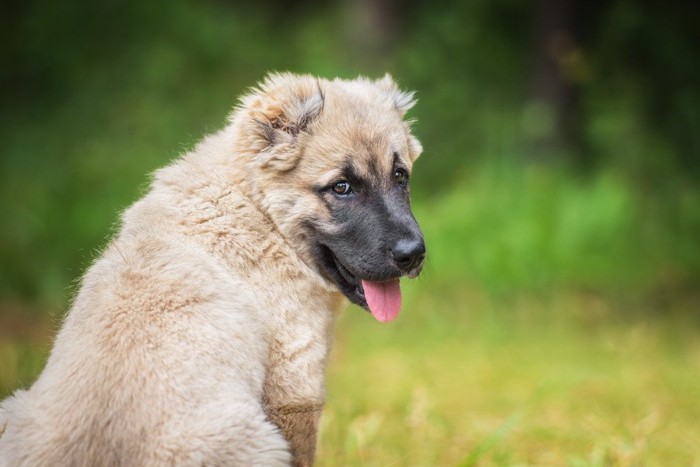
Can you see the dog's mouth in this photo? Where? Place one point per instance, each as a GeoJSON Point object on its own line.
{"type": "Point", "coordinates": [351, 280]}
{"type": "Point", "coordinates": [381, 297]}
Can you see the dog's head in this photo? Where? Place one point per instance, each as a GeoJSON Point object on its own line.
{"type": "Point", "coordinates": [336, 158]}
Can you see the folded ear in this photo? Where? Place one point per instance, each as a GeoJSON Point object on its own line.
{"type": "Point", "coordinates": [281, 108]}
{"type": "Point", "coordinates": [401, 100]}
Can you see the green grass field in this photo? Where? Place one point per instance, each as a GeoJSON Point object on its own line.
{"type": "Point", "coordinates": [465, 381]}
{"type": "Point", "coordinates": [537, 335]}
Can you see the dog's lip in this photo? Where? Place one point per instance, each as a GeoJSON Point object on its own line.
{"type": "Point", "coordinates": [349, 277]}
{"type": "Point", "coordinates": [345, 272]}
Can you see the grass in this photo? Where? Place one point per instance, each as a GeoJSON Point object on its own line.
{"type": "Point", "coordinates": [462, 381]}
{"type": "Point", "coordinates": [539, 229]}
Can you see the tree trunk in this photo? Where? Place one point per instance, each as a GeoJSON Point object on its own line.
{"type": "Point", "coordinates": [553, 90]}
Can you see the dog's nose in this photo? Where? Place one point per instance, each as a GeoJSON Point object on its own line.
{"type": "Point", "coordinates": [408, 253]}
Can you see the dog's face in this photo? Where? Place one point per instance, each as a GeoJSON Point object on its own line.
{"type": "Point", "coordinates": [338, 169]}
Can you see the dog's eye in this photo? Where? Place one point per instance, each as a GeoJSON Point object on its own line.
{"type": "Point", "coordinates": [401, 177]}
{"type": "Point", "coordinates": [342, 188]}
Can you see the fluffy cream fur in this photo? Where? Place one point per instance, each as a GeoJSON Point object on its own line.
{"type": "Point", "coordinates": [200, 336]}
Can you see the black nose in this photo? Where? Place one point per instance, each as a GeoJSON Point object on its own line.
{"type": "Point", "coordinates": [408, 253]}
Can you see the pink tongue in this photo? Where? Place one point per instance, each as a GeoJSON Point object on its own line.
{"type": "Point", "coordinates": [383, 299]}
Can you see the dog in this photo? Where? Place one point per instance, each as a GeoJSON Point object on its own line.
{"type": "Point", "coordinates": [200, 336]}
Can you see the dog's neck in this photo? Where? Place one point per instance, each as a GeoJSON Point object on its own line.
{"type": "Point", "coordinates": [262, 188]}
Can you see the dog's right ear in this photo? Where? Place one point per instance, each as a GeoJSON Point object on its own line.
{"type": "Point", "coordinates": [281, 109]}
{"type": "Point", "coordinates": [402, 101]}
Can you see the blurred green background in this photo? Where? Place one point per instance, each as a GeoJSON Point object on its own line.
{"type": "Point", "coordinates": [557, 321]}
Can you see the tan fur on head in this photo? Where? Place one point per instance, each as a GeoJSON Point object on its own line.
{"type": "Point", "coordinates": [284, 105]}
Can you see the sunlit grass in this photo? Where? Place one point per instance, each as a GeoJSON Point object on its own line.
{"type": "Point", "coordinates": [512, 384]}
{"type": "Point", "coordinates": [461, 379]}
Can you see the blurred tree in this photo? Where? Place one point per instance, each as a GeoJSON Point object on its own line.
{"type": "Point", "coordinates": [560, 41]}
{"type": "Point", "coordinates": [552, 88]}
{"type": "Point", "coordinates": [375, 25]}
{"type": "Point", "coordinates": [649, 51]}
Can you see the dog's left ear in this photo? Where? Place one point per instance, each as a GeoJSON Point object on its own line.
{"type": "Point", "coordinates": [402, 101]}
{"type": "Point", "coordinates": [282, 108]}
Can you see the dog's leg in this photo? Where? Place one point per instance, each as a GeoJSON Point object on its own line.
{"type": "Point", "coordinates": [299, 425]}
